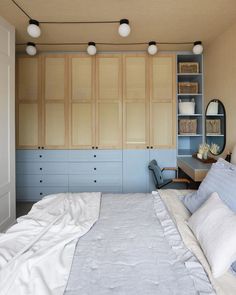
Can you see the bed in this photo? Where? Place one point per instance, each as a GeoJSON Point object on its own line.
{"type": "Point", "coordinates": [137, 244]}
{"type": "Point", "coordinates": [140, 245]}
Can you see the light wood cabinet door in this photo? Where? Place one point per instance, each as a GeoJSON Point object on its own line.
{"type": "Point", "coordinates": [135, 116]}
{"type": "Point", "coordinates": [109, 125]}
{"type": "Point", "coordinates": [82, 78]}
{"type": "Point", "coordinates": [163, 125]}
{"type": "Point", "coordinates": [55, 101]}
{"type": "Point", "coordinates": [162, 77]}
{"type": "Point", "coordinates": [81, 103]}
{"type": "Point", "coordinates": [28, 103]}
{"type": "Point", "coordinates": [108, 77]}
{"type": "Point", "coordinates": [108, 102]}
{"type": "Point", "coordinates": [82, 125]}
{"type": "Point", "coordinates": [135, 77]}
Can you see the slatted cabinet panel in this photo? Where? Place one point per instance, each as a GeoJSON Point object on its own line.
{"type": "Point", "coordinates": [55, 105]}
{"type": "Point", "coordinates": [135, 101]}
{"type": "Point", "coordinates": [162, 101]}
{"type": "Point", "coordinates": [108, 102]}
{"type": "Point", "coordinates": [28, 102]}
{"type": "Point", "coordinates": [81, 104]}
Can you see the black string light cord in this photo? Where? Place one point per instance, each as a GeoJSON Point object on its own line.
{"type": "Point", "coordinates": [66, 22]}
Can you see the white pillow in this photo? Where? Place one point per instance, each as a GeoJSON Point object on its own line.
{"type": "Point", "coordinates": [214, 226]}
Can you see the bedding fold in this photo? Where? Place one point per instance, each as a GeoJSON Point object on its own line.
{"type": "Point", "coordinates": [37, 252]}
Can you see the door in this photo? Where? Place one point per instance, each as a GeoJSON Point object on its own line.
{"type": "Point", "coordinates": [7, 124]}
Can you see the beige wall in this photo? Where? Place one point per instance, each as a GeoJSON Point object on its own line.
{"type": "Point", "coordinates": [220, 78]}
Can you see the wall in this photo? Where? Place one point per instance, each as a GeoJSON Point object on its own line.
{"type": "Point", "coordinates": [220, 78]}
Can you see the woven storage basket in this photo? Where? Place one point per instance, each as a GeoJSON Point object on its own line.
{"type": "Point", "coordinates": [188, 87]}
{"type": "Point", "coordinates": [188, 126]}
{"type": "Point", "coordinates": [213, 126]}
{"type": "Point", "coordinates": [189, 67]}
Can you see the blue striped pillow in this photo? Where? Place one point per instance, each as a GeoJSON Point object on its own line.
{"type": "Point", "coordinates": [221, 178]}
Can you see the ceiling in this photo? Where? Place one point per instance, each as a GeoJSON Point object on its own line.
{"type": "Point", "coordinates": [159, 20]}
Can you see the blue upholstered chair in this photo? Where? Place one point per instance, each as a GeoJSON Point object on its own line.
{"type": "Point", "coordinates": [159, 179]}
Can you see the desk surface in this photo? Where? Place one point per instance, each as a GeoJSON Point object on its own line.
{"type": "Point", "coordinates": [193, 167]}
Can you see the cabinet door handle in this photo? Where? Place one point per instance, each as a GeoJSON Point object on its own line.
{"type": "Point", "coordinates": [41, 181]}
{"type": "Point", "coordinates": [94, 156]}
{"type": "Point", "coordinates": [41, 194]}
{"type": "Point", "coordinates": [95, 181]}
{"type": "Point", "coordinates": [38, 147]}
{"type": "Point", "coordinates": [96, 147]}
{"type": "Point", "coordinates": [94, 168]}
{"type": "Point", "coordinates": [42, 147]}
{"type": "Point", "coordinates": [151, 147]}
{"type": "Point", "coordinates": [41, 169]}
{"type": "Point", "coordinates": [92, 147]}
{"type": "Point", "coordinates": [40, 156]}
{"type": "Point", "coordinates": [147, 147]}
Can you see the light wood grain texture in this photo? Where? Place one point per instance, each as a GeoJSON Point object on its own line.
{"type": "Point", "coordinates": [55, 125]}
{"type": "Point", "coordinates": [109, 131]}
{"type": "Point", "coordinates": [81, 78]}
{"type": "Point", "coordinates": [82, 125]}
{"type": "Point", "coordinates": [54, 78]}
{"type": "Point", "coordinates": [134, 73]}
{"type": "Point", "coordinates": [162, 124]}
{"type": "Point", "coordinates": [27, 78]}
{"type": "Point", "coordinates": [108, 69]}
{"type": "Point", "coordinates": [28, 125]}
{"type": "Point", "coordinates": [162, 78]}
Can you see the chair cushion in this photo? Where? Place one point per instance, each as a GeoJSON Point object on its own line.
{"type": "Point", "coordinates": [221, 179]}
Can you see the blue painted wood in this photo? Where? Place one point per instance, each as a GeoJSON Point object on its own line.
{"type": "Point", "coordinates": [95, 168]}
{"type": "Point", "coordinates": [42, 168]}
{"type": "Point", "coordinates": [31, 180]}
{"type": "Point", "coordinates": [42, 155]}
{"type": "Point", "coordinates": [95, 155]}
{"type": "Point", "coordinates": [96, 180]}
{"type": "Point", "coordinates": [135, 171]}
{"type": "Point", "coordinates": [33, 194]}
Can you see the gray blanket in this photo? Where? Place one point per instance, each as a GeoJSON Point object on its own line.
{"type": "Point", "coordinates": [135, 249]}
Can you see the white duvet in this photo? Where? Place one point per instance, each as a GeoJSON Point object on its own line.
{"type": "Point", "coordinates": [37, 252]}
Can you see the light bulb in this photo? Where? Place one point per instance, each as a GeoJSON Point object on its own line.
{"type": "Point", "coordinates": [124, 28]}
{"type": "Point", "coordinates": [33, 28]}
{"type": "Point", "coordinates": [31, 49]}
{"type": "Point", "coordinates": [152, 48]}
{"type": "Point", "coordinates": [92, 50]}
{"type": "Point", "coordinates": [197, 47]}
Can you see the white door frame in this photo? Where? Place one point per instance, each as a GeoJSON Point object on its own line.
{"type": "Point", "coordinates": [7, 125]}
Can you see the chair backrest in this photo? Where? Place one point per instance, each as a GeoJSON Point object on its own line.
{"type": "Point", "coordinates": [156, 172]}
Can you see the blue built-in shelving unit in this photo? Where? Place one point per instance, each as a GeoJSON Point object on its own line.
{"type": "Point", "coordinates": [189, 143]}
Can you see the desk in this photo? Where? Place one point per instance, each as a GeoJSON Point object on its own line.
{"type": "Point", "coordinates": [193, 168]}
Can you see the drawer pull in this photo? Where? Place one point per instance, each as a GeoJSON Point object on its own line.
{"type": "Point", "coordinates": [41, 181]}
{"type": "Point", "coordinates": [94, 156]}
{"type": "Point", "coordinates": [94, 168]}
{"type": "Point", "coordinates": [41, 169]}
{"type": "Point", "coordinates": [40, 156]}
{"type": "Point", "coordinates": [95, 180]}
{"type": "Point", "coordinates": [41, 194]}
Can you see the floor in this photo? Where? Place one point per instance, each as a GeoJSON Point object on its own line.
{"type": "Point", "coordinates": [23, 208]}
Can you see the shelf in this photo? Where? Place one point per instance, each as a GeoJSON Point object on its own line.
{"type": "Point", "coordinates": [189, 94]}
{"type": "Point", "coordinates": [214, 135]}
{"type": "Point", "coordinates": [189, 74]}
{"type": "Point", "coordinates": [190, 115]}
{"type": "Point", "coordinates": [188, 135]}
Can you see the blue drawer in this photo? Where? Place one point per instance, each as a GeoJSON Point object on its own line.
{"type": "Point", "coordinates": [42, 155]}
{"type": "Point", "coordinates": [78, 189]}
{"type": "Point", "coordinates": [32, 194]}
{"type": "Point", "coordinates": [112, 168]}
{"type": "Point", "coordinates": [41, 168]}
{"type": "Point", "coordinates": [95, 155]}
{"type": "Point", "coordinates": [41, 180]}
{"type": "Point", "coordinates": [97, 180]}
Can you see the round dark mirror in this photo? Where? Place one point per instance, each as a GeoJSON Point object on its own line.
{"type": "Point", "coordinates": [215, 126]}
